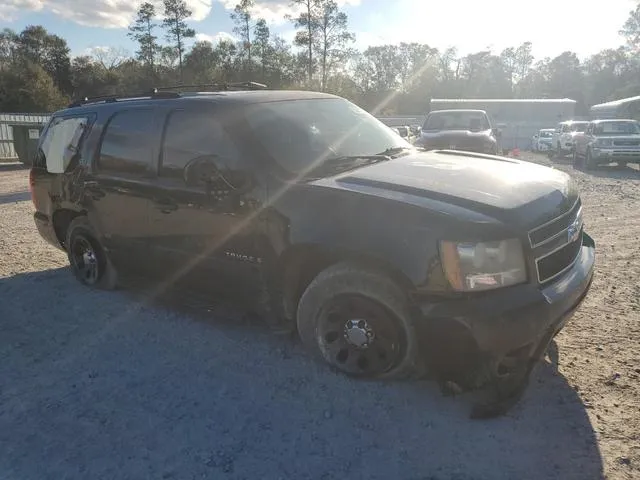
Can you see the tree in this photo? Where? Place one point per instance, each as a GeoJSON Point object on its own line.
{"type": "Point", "coordinates": [416, 65]}
{"type": "Point", "coordinates": [29, 88]}
{"type": "Point", "coordinates": [176, 13]}
{"type": "Point", "coordinates": [110, 58]}
{"type": "Point", "coordinates": [200, 63]}
{"type": "Point", "coordinates": [307, 22]}
{"type": "Point", "coordinates": [631, 30]}
{"type": "Point", "coordinates": [8, 47]}
{"type": "Point", "coordinates": [378, 68]}
{"type": "Point", "coordinates": [262, 36]}
{"type": "Point", "coordinates": [241, 16]}
{"type": "Point", "coordinates": [333, 38]}
{"type": "Point", "coordinates": [142, 32]}
{"type": "Point", "coordinates": [37, 46]}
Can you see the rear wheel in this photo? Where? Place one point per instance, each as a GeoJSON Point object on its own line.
{"type": "Point", "coordinates": [359, 321]}
{"type": "Point", "coordinates": [89, 261]}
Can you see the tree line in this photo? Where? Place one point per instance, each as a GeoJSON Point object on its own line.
{"type": "Point", "coordinates": [37, 73]}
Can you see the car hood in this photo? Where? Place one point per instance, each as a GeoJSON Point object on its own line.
{"type": "Point", "coordinates": [506, 189]}
{"type": "Point", "coordinates": [428, 135]}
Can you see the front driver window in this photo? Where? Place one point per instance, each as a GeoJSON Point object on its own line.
{"type": "Point", "coordinates": [198, 136]}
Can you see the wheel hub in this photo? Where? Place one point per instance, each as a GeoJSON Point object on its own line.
{"type": "Point", "coordinates": [88, 257]}
{"type": "Point", "coordinates": [358, 333]}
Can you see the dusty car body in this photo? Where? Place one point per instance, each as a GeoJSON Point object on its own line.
{"type": "Point", "coordinates": [388, 261]}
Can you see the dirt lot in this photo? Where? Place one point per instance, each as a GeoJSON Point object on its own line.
{"type": "Point", "coordinates": [106, 385]}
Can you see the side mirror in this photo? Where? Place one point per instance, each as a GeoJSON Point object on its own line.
{"type": "Point", "coordinates": [496, 133]}
{"type": "Point", "coordinates": [201, 171]}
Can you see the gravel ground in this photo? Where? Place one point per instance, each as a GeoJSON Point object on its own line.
{"type": "Point", "coordinates": [108, 385]}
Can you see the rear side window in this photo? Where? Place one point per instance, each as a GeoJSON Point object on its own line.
{"type": "Point", "coordinates": [61, 142]}
{"type": "Point", "coordinates": [190, 135]}
{"type": "Point", "coordinates": [127, 146]}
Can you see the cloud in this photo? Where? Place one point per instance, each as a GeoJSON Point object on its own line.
{"type": "Point", "coordinates": [274, 11]}
{"type": "Point", "coordinates": [94, 13]}
{"type": "Point", "coordinates": [10, 9]}
{"type": "Point", "coordinates": [215, 39]}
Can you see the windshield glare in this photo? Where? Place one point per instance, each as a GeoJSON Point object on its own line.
{"type": "Point", "coordinates": [617, 128]}
{"type": "Point", "coordinates": [300, 135]}
{"type": "Point", "coordinates": [473, 121]}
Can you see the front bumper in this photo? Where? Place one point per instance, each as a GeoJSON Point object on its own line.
{"type": "Point", "coordinates": [608, 155]}
{"type": "Point", "coordinates": [504, 324]}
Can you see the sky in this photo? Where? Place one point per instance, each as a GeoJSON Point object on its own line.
{"type": "Point", "coordinates": [553, 26]}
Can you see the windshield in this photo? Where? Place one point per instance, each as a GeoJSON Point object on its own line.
{"type": "Point", "coordinates": [546, 134]}
{"type": "Point", "coordinates": [617, 128]}
{"type": "Point", "coordinates": [578, 127]}
{"type": "Point", "coordinates": [461, 120]}
{"type": "Point", "coordinates": [302, 134]}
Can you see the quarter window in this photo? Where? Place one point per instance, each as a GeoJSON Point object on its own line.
{"type": "Point", "coordinates": [62, 142]}
{"type": "Point", "coordinates": [128, 146]}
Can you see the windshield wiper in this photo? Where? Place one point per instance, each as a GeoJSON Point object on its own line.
{"type": "Point", "coordinates": [390, 152]}
{"type": "Point", "coordinates": [346, 158]}
{"type": "Point", "coordinates": [344, 163]}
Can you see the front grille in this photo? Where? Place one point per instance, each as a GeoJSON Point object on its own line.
{"type": "Point", "coordinates": [626, 143]}
{"type": "Point", "coordinates": [556, 244]}
{"type": "Point", "coordinates": [556, 263]}
{"type": "Point", "coordinates": [546, 232]}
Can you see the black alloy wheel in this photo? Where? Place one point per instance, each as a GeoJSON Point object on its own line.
{"type": "Point", "coordinates": [85, 259]}
{"type": "Point", "coordinates": [358, 336]}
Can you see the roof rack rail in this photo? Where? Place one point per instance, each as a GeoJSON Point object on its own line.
{"type": "Point", "coordinates": [153, 93]}
{"type": "Point", "coordinates": [217, 87]}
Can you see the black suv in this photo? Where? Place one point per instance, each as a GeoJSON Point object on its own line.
{"type": "Point", "coordinates": [469, 130]}
{"type": "Point", "coordinates": [389, 261]}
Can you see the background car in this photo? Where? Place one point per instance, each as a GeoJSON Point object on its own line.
{"type": "Point", "coordinates": [543, 140]}
{"type": "Point", "coordinates": [608, 141]}
{"type": "Point", "coordinates": [470, 130]}
{"type": "Point", "coordinates": [563, 138]}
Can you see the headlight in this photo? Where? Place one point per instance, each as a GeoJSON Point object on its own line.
{"type": "Point", "coordinates": [483, 266]}
{"type": "Point", "coordinates": [604, 142]}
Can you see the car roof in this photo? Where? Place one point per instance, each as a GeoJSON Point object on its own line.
{"type": "Point", "coordinates": [608, 120]}
{"type": "Point", "coordinates": [571, 122]}
{"type": "Point", "coordinates": [244, 97]}
{"type": "Point", "coordinates": [449, 110]}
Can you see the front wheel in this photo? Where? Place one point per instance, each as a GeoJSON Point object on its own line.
{"type": "Point", "coordinates": [576, 158]}
{"type": "Point", "coordinates": [588, 161]}
{"type": "Point", "coordinates": [89, 261]}
{"type": "Point", "coordinates": [359, 321]}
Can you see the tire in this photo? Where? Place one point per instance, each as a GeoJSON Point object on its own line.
{"type": "Point", "coordinates": [588, 160]}
{"type": "Point", "coordinates": [88, 259]}
{"type": "Point", "coordinates": [576, 158]}
{"type": "Point", "coordinates": [346, 301]}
